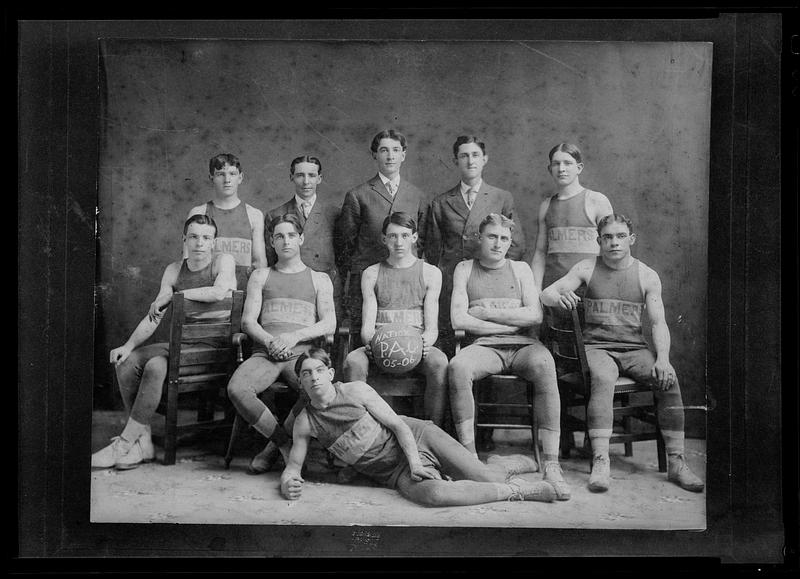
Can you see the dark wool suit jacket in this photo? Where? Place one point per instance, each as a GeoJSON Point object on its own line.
{"type": "Point", "coordinates": [361, 219]}
{"type": "Point", "coordinates": [319, 236]}
{"type": "Point", "coordinates": [451, 233]}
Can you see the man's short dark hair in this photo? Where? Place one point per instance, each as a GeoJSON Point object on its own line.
{"type": "Point", "coordinates": [285, 218]}
{"type": "Point", "coordinates": [304, 159]}
{"type": "Point", "coordinates": [614, 218]}
{"type": "Point", "coordinates": [497, 219]}
{"type": "Point", "coordinates": [219, 161]}
{"type": "Point", "coordinates": [466, 139]}
{"type": "Point", "coordinates": [315, 353]}
{"type": "Point", "coordinates": [387, 134]}
{"type": "Point", "coordinates": [568, 148]}
{"type": "Point", "coordinates": [200, 219]}
{"type": "Point", "coordinates": [400, 218]}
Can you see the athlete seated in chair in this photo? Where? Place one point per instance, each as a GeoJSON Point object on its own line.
{"type": "Point", "coordinates": [286, 308]}
{"type": "Point", "coordinates": [496, 303]}
{"type": "Point", "coordinates": [403, 289]}
{"type": "Point", "coordinates": [202, 276]}
{"type": "Point", "coordinates": [414, 456]}
{"type": "Point", "coordinates": [619, 289]}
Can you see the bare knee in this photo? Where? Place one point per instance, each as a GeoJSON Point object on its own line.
{"type": "Point", "coordinates": [459, 374]}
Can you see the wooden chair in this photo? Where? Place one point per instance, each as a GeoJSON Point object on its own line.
{"type": "Point", "coordinates": [404, 393]}
{"type": "Point", "coordinates": [492, 414]}
{"type": "Point", "coordinates": [633, 402]}
{"type": "Point", "coordinates": [272, 396]}
{"type": "Point", "coordinates": [200, 370]}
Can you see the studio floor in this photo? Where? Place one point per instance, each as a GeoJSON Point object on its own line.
{"type": "Point", "coordinates": [198, 489]}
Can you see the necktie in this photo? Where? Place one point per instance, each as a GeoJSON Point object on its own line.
{"type": "Point", "coordinates": [390, 188]}
{"type": "Point", "coordinates": [471, 195]}
{"type": "Point", "coordinates": [306, 209]}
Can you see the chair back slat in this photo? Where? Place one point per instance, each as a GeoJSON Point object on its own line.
{"type": "Point", "coordinates": [202, 331]}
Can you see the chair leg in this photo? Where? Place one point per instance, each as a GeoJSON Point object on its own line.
{"type": "Point", "coordinates": [567, 439]}
{"type": "Point", "coordinates": [236, 430]}
{"type": "Point", "coordinates": [171, 425]}
{"type": "Point", "coordinates": [534, 426]}
{"type": "Point", "coordinates": [626, 424]}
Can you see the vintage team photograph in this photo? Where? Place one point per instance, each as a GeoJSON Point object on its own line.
{"type": "Point", "coordinates": [441, 283]}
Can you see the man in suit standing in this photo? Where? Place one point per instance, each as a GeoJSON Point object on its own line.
{"type": "Point", "coordinates": [318, 217]}
{"type": "Point", "coordinates": [452, 227]}
{"type": "Point", "coordinates": [364, 209]}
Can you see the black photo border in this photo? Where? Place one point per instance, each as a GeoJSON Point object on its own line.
{"type": "Point", "coordinates": [58, 143]}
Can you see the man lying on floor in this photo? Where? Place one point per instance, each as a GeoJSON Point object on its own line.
{"type": "Point", "coordinates": [414, 456]}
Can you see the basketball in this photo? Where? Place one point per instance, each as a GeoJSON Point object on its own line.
{"type": "Point", "coordinates": [396, 348]}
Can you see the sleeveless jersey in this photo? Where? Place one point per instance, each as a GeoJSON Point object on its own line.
{"type": "Point", "coordinates": [571, 236]}
{"type": "Point", "coordinates": [351, 434]}
{"type": "Point", "coordinates": [234, 236]}
{"type": "Point", "coordinates": [288, 302]}
{"type": "Point", "coordinates": [401, 295]}
{"type": "Point", "coordinates": [496, 288]}
{"type": "Point", "coordinates": [613, 306]}
{"type": "Point", "coordinates": [200, 311]}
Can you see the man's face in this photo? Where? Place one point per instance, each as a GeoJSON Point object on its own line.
{"type": "Point", "coordinates": [306, 177]}
{"type": "Point", "coordinates": [615, 241]}
{"type": "Point", "coordinates": [564, 168]}
{"type": "Point", "coordinates": [226, 180]}
{"type": "Point", "coordinates": [494, 243]}
{"type": "Point", "coordinates": [471, 161]}
{"type": "Point", "coordinates": [399, 240]}
{"type": "Point", "coordinates": [199, 240]}
{"type": "Point", "coordinates": [390, 156]}
{"type": "Point", "coordinates": [315, 375]}
{"type": "Point", "coordinates": [286, 241]}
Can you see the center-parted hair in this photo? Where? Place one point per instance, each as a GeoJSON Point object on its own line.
{"type": "Point", "coordinates": [466, 139]}
{"type": "Point", "coordinates": [387, 134]}
{"type": "Point", "coordinates": [304, 159]}
{"type": "Point", "coordinates": [497, 219]}
{"type": "Point", "coordinates": [219, 161]}
{"type": "Point", "coordinates": [285, 218]}
{"type": "Point", "coordinates": [200, 219]}
{"type": "Point", "coordinates": [400, 218]}
{"type": "Point", "coordinates": [568, 148]}
{"type": "Point", "coordinates": [614, 218]}
{"type": "Point", "coordinates": [315, 354]}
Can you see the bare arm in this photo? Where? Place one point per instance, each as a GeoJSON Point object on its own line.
{"type": "Point", "coordinates": [369, 303]}
{"type": "Point", "coordinates": [460, 318]}
{"type": "Point", "coordinates": [384, 414]}
{"type": "Point", "coordinates": [663, 372]}
{"type": "Point", "coordinates": [540, 252]}
{"type": "Point", "coordinates": [291, 481]}
{"type": "Point", "coordinates": [430, 307]}
{"type": "Point", "coordinates": [224, 283]}
{"type": "Point", "coordinates": [252, 308]}
{"type": "Point", "coordinates": [150, 322]}
{"type": "Point", "coordinates": [561, 293]}
{"type": "Point", "coordinates": [528, 315]}
{"type": "Point", "coordinates": [598, 206]}
{"type": "Point", "coordinates": [257, 228]}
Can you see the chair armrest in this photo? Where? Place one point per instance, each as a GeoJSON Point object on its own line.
{"type": "Point", "coordinates": [459, 337]}
{"type": "Point", "coordinates": [239, 339]}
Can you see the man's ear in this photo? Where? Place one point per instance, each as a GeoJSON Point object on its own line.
{"type": "Point", "coordinates": [633, 238]}
{"type": "Point", "coordinates": [580, 168]}
{"type": "Point", "coordinates": [598, 240]}
{"type": "Point", "coordinates": [301, 239]}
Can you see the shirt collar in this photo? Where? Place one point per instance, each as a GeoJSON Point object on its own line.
{"type": "Point", "coordinates": [299, 200]}
{"type": "Point", "coordinates": [395, 182]}
{"type": "Point", "coordinates": [465, 187]}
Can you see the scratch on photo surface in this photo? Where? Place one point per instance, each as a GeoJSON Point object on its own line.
{"type": "Point", "coordinates": [564, 64]}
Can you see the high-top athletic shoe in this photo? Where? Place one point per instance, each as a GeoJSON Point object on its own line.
{"type": "Point", "coordinates": [553, 475]}
{"type": "Point", "coordinates": [600, 478]}
{"type": "Point", "coordinates": [523, 490]}
{"type": "Point", "coordinates": [131, 459]}
{"type": "Point", "coordinates": [679, 473]}
{"type": "Point", "coordinates": [514, 463]}
{"type": "Point", "coordinates": [108, 456]}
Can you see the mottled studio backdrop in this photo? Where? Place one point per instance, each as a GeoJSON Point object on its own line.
{"type": "Point", "coordinates": [639, 111]}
